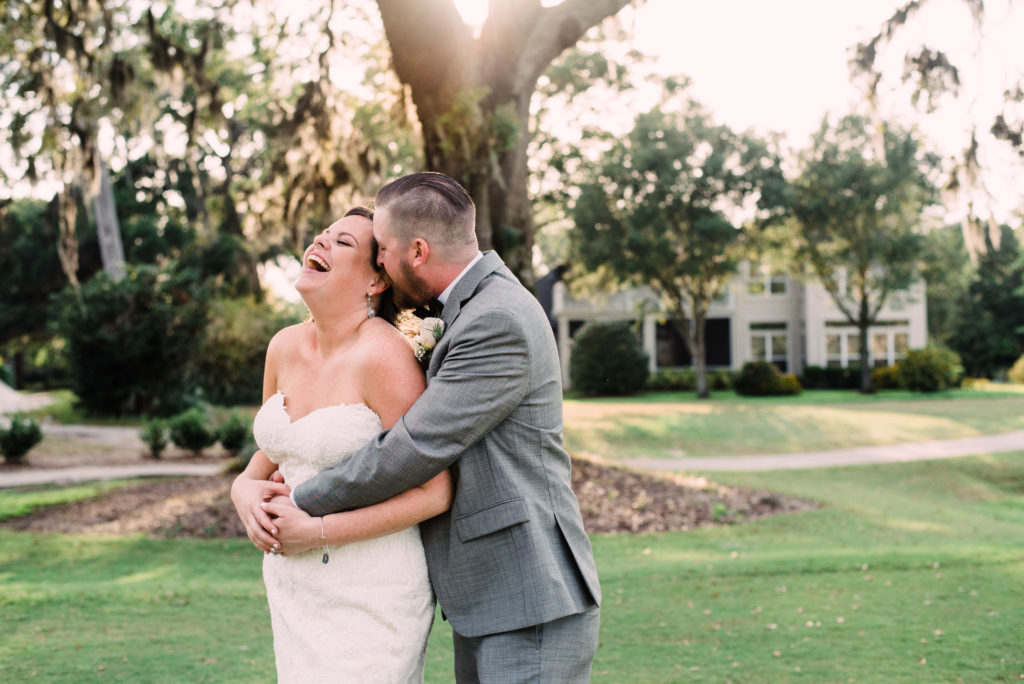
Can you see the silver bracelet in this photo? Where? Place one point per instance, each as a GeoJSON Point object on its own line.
{"type": "Point", "coordinates": [323, 539]}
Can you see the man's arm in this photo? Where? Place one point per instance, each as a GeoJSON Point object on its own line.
{"type": "Point", "coordinates": [482, 379]}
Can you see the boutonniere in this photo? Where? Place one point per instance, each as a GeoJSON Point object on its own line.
{"type": "Point", "coordinates": [431, 330]}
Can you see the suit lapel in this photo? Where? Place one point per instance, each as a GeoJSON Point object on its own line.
{"type": "Point", "coordinates": [467, 286]}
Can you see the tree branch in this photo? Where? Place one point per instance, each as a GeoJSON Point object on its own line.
{"type": "Point", "coordinates": [430, 44]}
{"type": "Point", "coordinates": [558, 28]}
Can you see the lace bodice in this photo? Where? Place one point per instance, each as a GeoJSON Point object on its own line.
{"type": "Point", "coordinates": [314, 442]}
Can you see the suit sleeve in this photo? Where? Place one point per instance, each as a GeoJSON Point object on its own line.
{"type": "Point", "coordinates": [483, 378]}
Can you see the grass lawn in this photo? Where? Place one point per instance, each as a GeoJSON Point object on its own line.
{"type": "Point", "coordinates": [674, 425]}
{"type": "Point", "coordinates": [911, 572]}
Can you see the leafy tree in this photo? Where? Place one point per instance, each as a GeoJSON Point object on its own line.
{"type": "Point", "coordinates": [947, 272]}
{"type": "Point", "coordinates": [990, 334]}
{"type": "Point", "coordinates": [473, 95]}
{"type": "Point", "coordinates": [248, 132]}
{"type": "Point", "coordinates": [30, 272]}
{"type": "Point", "coordinates": [857, 205]}
{"type": "Point", "coordinates": [131, 344]}
{"type": "Point", "coordinates": [937, 78]}
{"type": "Point", "coordinates": [671, 206]}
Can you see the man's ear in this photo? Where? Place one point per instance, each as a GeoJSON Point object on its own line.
{"type": "Point", "coordinates": [420, 250]}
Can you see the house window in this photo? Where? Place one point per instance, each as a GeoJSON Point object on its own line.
{"type": "Point", "coordinates": [765, 283]}
{"type": "Point", "coordinates": [671, 351]}
{"type": "Point", "coordinates": [887, 343]}
{"type": "Point", "coordinates": [769, 342]}
{"type": "Point", "coordinates": [888, 346]}
{"type": "Point", "coordinates": [842, 349]}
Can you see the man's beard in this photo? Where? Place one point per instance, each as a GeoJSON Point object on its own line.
{"type": "Point", "coordinates": [410, 290]}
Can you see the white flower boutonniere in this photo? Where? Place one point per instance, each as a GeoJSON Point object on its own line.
{"type": "Point", "coordinates": [431, 330]}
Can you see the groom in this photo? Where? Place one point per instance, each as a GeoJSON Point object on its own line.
{"type": "Point", "coordinates": [510, 563]}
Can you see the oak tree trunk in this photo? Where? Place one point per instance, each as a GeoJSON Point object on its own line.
{"type": "Point", "coordinates": [472, 97]}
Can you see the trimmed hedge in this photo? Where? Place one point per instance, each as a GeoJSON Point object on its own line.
{"type": "Point", "coordinates": [685, 380]}
{"type": "Point", "coordinates": [189, 431]}
{"type": "Point", "coordinates": [821, 377]}
{"type": "Point", "coordinates": [17, 440]}
{"type": "Point", "coordinates": [761, 378]}
{"type": "Point", "coordinates": [154, 434]}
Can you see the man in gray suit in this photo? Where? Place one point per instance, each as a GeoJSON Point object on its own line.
{"type": "Point", "coordinates": [510, 562]}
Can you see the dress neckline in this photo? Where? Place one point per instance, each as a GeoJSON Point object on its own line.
{"type": "Point", "coordinates": [288, 417]}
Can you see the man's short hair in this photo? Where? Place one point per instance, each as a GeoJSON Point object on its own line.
{"type": "Point", "coordinates": [432, 206]}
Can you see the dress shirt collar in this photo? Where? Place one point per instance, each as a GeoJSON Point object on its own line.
{"type": "Point", "coordinates": [443, 297]}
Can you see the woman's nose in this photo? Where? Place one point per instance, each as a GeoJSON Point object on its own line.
{"type": "Point", "coordinates": [320, 241]}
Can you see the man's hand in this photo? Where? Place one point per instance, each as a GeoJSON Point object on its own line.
{"type": "Point", "coordinates": [296, 530]}
{"type": "Point", "coordinates": [247, 494]}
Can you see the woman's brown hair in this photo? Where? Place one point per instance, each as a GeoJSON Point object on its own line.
{"type": "Point", "coordinates": [386, 308]}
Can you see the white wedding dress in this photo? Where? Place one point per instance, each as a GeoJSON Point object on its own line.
{"type": "Point", "coordinates": [365, 615]}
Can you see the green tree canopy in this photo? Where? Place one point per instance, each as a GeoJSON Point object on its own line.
{"type": "Point", "coordinates": [857, 207]}
{"type": "Point", "coordinates": [671, 206]}
{"type": "Point", "coordinates": [989, 335]}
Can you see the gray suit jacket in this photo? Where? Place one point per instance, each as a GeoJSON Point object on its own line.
{"type": "Point", "coordinates": [512, 551]}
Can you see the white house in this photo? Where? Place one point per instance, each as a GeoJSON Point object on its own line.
{"type": "Point", "coordinates": [761, 316]}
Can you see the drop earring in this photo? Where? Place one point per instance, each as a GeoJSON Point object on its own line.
{"type": "Point", "coordinates": [370, 313]}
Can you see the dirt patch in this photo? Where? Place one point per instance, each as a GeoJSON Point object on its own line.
{"type": "Point", "coordinates": [612, 499]}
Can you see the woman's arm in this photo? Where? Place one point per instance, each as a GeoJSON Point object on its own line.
{"type": "Point", "coordinates": [252, 487]}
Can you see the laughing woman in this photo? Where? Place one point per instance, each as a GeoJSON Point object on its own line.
{"type": "Point", "coordinates": [349, 595]}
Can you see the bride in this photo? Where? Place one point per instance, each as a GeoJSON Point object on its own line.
{"type": "Point", "coordinates": [349, 595]}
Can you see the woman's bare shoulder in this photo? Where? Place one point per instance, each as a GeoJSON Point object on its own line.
{"type": "Point", "coordinates": [381, 340]}
{"type": "Point", "coordinates": [389, 375]}
{"type": "Point", "coordinates": [289, 338]}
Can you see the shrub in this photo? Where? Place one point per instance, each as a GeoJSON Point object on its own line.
{"type": "Point", "coordinates": [241, 459]}
{"type": "Point", "coordinates": [831, 377]}
{"type": "Point", "coordinates": [607, 359]}
{"type": "Point", "coordinates": [229, 364]}
{"type": "Point", "coordinates": [131, 344]}
{"type": "Point", "coordinates": [685, 380]}
{"type": "Point", "coordinates": [1016, 373]}
{"type": "Point", "coordinates": [886, 377]}
{"type": "Point", "coordinates": [761, 378]}
{"type": "Point", "coordinates": [234, 432]}
{"type": "Point", "coordinates": [930, 369]}
{"type": "Point", "coordinates": [154, 434]}
{"type": "Point", "coordinates": [673, 380]}
{"type": "Point", "coordinates": [721, 379]}
{"type": "Point", "coordinates": [189, 431]}
{"type": "Point", "coordinates": [19, 438]}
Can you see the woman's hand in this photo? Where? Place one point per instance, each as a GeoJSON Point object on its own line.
{"type": "Point", "coordinates": [247, 494]}
{"type": "Point", "coordinates": [297, 531]}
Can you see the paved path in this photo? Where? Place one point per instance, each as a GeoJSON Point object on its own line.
{"type": "Point", "coordinates": [892, 453]}
{"type": "Point", "coordinates": [27, 477]}
{"type": "Point", "coordinates": [103, 434]}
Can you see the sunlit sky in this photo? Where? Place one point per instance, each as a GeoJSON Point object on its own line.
{"type": "Point", "coordinates": [781, 65]}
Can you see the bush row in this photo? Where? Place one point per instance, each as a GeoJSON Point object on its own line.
{"type": "Point", "coordinates": [194, 431]}
{"type": "Point", "coordinates": [685, 380]}
{"type": "Point", "coordinates": [607, 359]}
